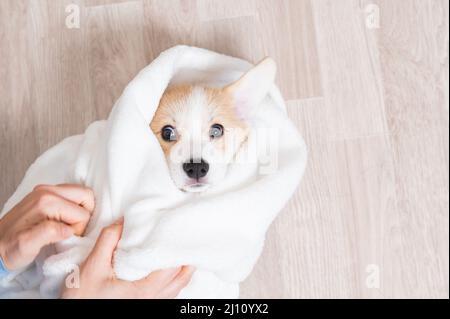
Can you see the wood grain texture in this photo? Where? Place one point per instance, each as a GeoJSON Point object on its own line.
{"type": "Point", "coordinates": [414, 64]}
{"type": "Point", "coordinates": [372, 104]}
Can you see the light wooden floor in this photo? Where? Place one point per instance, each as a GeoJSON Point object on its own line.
{"type": "Point", "coordinates": [371, 103]}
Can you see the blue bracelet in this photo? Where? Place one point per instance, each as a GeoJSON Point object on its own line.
{"type": "Point", "coordinates": [3, 270]}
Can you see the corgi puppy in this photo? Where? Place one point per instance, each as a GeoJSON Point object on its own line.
{"type": "Point", "coordinates": [201, 129]}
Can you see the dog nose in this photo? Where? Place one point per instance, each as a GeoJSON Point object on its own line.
{"type": "Point", "coordinates": [196, 170]}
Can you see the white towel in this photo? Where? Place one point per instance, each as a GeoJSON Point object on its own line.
{"type": "Point", "coordinates": [221, 232]}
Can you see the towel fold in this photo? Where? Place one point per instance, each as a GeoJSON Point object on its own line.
{"type": "Point", "coordinates": [220, 232]}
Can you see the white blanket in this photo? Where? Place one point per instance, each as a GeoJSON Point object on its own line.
{"type": "Point", "coordinates": [220, 232]}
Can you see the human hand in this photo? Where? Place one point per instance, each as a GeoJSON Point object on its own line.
{"type": "Point", "coordinates": [98, 280]}
{"type": "Point", "coordinates": [46, 215]}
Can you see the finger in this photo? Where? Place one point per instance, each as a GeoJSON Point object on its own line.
{"type": "Point", "coordinates": [157, 280]}
{"type": "Point", "coordinates": [44, 233]}
{"type": "Point", "coordinates": [106, 244]}
{"type": "Point", "coordinates": [78, 194]}
{"type": "Point", "coordinates": [59, 209]}
{"type": "Point", "coordinates": [178, 283]}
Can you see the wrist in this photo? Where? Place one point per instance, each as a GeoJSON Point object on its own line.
{"type": "Point", "coordinates": [4, 267]}
{"type": "Point", "coordinates": [3, 270]}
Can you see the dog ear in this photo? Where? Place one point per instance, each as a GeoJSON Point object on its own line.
{"type": "Point", "coordinates": [250, 90]}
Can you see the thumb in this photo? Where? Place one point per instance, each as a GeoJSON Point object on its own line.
{"type": "Point", "coordinates": [106, 243]}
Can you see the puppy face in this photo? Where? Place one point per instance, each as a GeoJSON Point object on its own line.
{"type": "Point", "coordinates": [200, 129]}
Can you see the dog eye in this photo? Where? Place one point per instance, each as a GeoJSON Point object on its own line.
{"type": "Point", "coordinates": [168, 133]}
{"type": "Point", "coordinates": [216, 131]}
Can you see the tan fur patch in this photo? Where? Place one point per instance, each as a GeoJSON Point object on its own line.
{"type": "Point", "coordinates": [224, 113]}
{"type": "Point", "coordinates": [168, 104]}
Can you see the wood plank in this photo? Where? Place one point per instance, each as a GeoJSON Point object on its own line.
{"type": "Point", "coordinates": [17, 130]}
{"type": "Point", "coordinates": [288, 33]}
{"type": "Point", "coordinates": [116, 50]}
{"type": "Point", "coordinates": [349, 68]}
{"type": "Point", "coordinates": [219, 10]}
{"type": "Point", "coordinates": [62, 104]}
{"type": "Point", "coordinates": [414, 60]}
